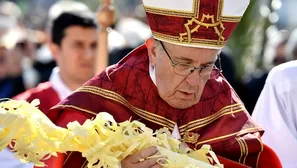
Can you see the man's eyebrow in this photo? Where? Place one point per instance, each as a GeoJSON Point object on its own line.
{"type": "Point", "coordinates": [78, 41]}
{"type": "Point", "coordinates": [181, 58]}
{"type": "Point", "coordinates": [190, 60]}
{"type": "Point", "coordinates": [208, 63]}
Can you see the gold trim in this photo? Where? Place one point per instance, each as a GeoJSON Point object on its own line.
{"type": "Point", "coordinates": [194, 13]}
{"type": "Point", "coordinates": [205, 121]}
{"type": "Point", "coordinates": [246, 150]}
{"type": "Point", "coordinates": [67, 158]}
{"type": "Point", "coordinates": [190, 137]}
{"type": "Point", "coordinates": [220, 9]}
{"type": "Point", "coordinates": [195, 41]}
{"type": "Point", "coordinates": [98, 90]}
{"type": "Point", "coordinates": [77, 108]}
{"type": "Point", "coordinates": [177, 13]}
{"type": "Point", "coordinates": [230, 135]}
{"type": "Point", "coordinates": [230, 19]}
{"type": "Point", "coordinates": [208, 122]}
{"type": "Point", "coordinates": [226, 18]}
{"type": "Point", "coordinates": [85, 165]}
{"type": "Point", "coordinates": [241, 148]}
{"type": "Point", "coordinates": [262, 148]}
{"type": "Point", "coordinates": [211, 116]}
{"type": "Point", "coordinates": [118, 98]}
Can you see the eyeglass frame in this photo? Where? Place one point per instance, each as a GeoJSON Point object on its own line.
{"type": "Point", "coordinates": [199, 68]}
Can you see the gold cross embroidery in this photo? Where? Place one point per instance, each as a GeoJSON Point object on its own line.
{"type": "Point", "coordinates": [191, 137]}
{"type": "Point", "coordinates": [213, 24]}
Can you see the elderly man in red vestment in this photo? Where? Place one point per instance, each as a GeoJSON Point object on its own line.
{"type": "Point", "coordinates": [171, 81]}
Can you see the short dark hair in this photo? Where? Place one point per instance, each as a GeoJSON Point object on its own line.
{"type": "Point", "coordinates": [69, 19]}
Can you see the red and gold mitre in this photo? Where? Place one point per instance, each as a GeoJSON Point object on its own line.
{"type": "Point", "coordinates": [194, 23]}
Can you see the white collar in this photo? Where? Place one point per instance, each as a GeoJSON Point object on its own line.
{"type": "Point", "coordinates": [58, 85]}
{"type": "Point", "coordinates": [152, 73]}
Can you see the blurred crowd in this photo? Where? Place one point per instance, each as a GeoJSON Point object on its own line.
{"type": "Point", "coordinates": [25, 57]}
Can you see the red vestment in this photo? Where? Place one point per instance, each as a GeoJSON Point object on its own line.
{"type": "Point", "coordinates": [126, 91]}
{"type": "Point", "coordinates": [47, 96]}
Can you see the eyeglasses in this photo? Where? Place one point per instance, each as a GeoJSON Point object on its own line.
{"type": "Point", "coordinates": [205, 72]}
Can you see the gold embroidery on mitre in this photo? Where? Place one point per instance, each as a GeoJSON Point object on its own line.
{"type": "Point", "coordinates": [200, 23]}
{"type": "Point", "coordinates": [191, 137]}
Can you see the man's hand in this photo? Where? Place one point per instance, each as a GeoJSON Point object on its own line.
{"type": "Point", "coordinates": [140, 159]}
{"type": "Point", "coordinates": [105, 14]}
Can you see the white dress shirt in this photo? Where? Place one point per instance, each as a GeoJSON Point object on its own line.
{"type": "Point", "coordinates": [7, 159]}
{"type": "Point", "coordinates": [276, 112]}
{"type": "Point", "coordinates": [58, 85]}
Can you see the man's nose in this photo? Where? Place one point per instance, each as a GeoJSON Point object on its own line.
{"type": "Point", "coordinates": [193, 78]}
{"type": "Point", "coordinates": [89, 53]}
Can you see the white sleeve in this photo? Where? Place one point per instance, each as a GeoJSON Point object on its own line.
{"type": "Point", "coordinates": [272, 114]}
{"type": "Point", "coordinates": [8, 160]}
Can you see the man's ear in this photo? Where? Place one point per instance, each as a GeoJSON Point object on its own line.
{"type": "Point", "coordinates": [151, 45]}
{"type": "Point", "coordinates": [55, 50]}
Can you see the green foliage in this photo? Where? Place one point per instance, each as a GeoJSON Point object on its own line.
{"type": "Point", "coordinates": [241, 41]}
{"type": "Point", "coordinates": [248, 40]}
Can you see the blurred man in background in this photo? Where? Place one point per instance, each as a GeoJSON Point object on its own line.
{"type": "Point", "coordinates": [73, 45]}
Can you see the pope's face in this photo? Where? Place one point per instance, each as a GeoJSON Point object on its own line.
{"type": "Point", "coordinates": [179, 91]}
